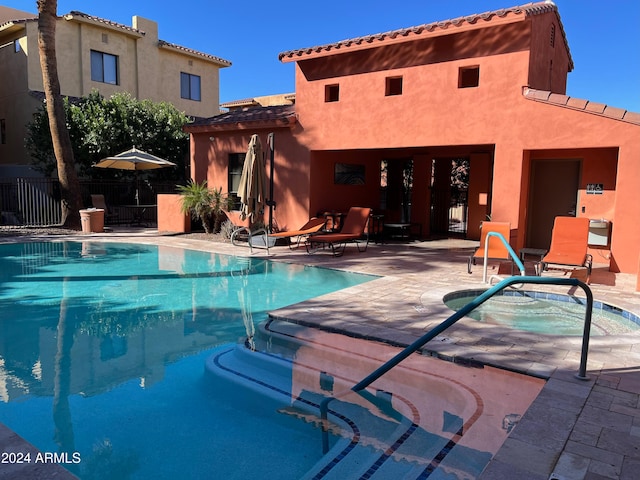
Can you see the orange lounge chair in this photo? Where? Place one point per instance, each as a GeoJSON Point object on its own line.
{"type": "Point", "coordinates": [312, 226]}
{"type": "Point", "coordinates": [261, 238]}
{"type": "Point", "coordinates": [496, 249]}
{"type": "Point", "coordinates": [569, 239]}
{"type": "Point", "coordinates": [353, 229]}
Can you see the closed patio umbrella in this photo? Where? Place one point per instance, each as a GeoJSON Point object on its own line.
{"type": "Point", "coordinates": [134, 159]}
{"type": "Point", "coordinates": [252, 188]}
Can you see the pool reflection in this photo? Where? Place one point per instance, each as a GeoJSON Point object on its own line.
{"type": "Point", "coordinates": [423, 415]}
{"type": "Point", "coordinates": [81, 320]}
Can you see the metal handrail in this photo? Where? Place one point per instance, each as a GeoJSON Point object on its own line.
{"type": "Point", "coordinates": [509, 249]}
{"type": "Point", "coordinates": [259, 233]}
{"type": "Point", "coordinates": [479, 300]}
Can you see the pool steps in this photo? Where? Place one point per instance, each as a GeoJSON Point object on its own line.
{"type": "Point", "coordinates": [351, 455]}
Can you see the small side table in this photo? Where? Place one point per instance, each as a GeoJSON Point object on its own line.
{"type": "Point", "coordinates": [401, 230]}
{"type": "Point", "coordinates": [534, 252]}
{"type": "Point", "coordinates": [376, 227]}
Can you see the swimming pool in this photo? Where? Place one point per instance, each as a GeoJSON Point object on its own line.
{"type": "Point", "coordinates": [426, 418]}
{"type": "Point", "coordinates": [103, 348]}
{"type": "Point", "coordinates": [545, 313]}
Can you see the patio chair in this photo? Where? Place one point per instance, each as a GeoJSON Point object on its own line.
{"type": "Point", "coordinates": [569, 240]}
{"type": "Point", "coordinates": [261, 238]}
{"type": "Point", "coordinates": [98, 201]}
{"type": "Point", "coordinates": [496, 250]}
{"type": "Point", "coordinates": [312, 226]}
{"type": "Point", "coordinates": [353, 229]}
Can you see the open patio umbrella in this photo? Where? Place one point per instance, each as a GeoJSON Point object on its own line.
{"type": "Point", "coordinates": [136, 160]}
{"type": "Point", "coordinates": [252, 188]}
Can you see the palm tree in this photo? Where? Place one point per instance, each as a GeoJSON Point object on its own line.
{"type": "Point", "coordinates": [69, 184]}
{"type": "Point", "coordinates": [202, 203]}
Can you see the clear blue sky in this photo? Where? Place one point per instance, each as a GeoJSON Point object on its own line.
{"type": "Point", "coordinates": [604, 37]}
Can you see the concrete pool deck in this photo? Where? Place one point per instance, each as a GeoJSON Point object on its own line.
{"type": "Point", "coordinates": [575, 429]}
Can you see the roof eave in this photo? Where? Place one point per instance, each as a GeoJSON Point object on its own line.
{"type": "Point", "coordinates": [285, 122]}
{"type": "Point", "coordinates": [220, 62]}
{"type": "Point", "coordinates": [581, 105]}
{"type": "Point", "coordinates": [102, 23]}
{"type": "Point", "coordinates": [246, 102]}
{"type": "Point", "coordinates": [434, 29]}
{"type": "Point", "coordinates": [13, 26]}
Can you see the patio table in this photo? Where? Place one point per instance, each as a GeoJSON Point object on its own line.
{"type": "Point", "coordinates": [137, 213]}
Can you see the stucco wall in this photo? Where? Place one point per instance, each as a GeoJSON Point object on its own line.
{"type": "Point", "coordinates": [16, 104]}
{"type": "Point", "coordinates": [326, 195]}
{"type": "Point", "coordinates": [493, 123]}
{"type": "Point", "coordinates": [432, 111]}
{"type": "Point", "coordinates": [549, 57]}
{"type": "Point", "coordinates": [170, 216]}
{"type": "Point", "coordinates": [210, 162]}
{"type": "Point", "coordinates": [574, 134]}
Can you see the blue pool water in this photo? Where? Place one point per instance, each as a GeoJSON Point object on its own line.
{"type": "Point", "coordinates": [102, 352]}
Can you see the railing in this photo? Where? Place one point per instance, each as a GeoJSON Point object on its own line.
{"type": "Point", "coordinates": [582, 371]}
{"type": "Point", "coordinates": [513, 255]}
{"type": "Point", "coordinates": [35, 201]}
{"type": "Point", "coordinates": [30, 202]}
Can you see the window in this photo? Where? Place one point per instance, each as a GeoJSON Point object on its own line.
{"type": "Point", "coordinates": [552, 36]}
{"type": "Point", "coordinates": [104, 67]}
{"type": "Point", "coordinates": [393, 86]}
{"type": "Point", "coordinates": [469, 77]}
{"type": "Point", "coordinates": [190, 86]}
{"type": "Point", "coordinates": [331, 93]}
{"type": "Point", "coordinates": [3, 133]}
{"type": "Point", "coordinates": [16, 46]}
{"type": "Point", "coordinates": [236, 162]}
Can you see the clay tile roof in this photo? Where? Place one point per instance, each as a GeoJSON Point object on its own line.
{"type": "Point", "coordinates": [529, 9]}
{"type": "Point", "coordinates": [243, 102]}
{"type": "Point", "coordinates": [74, 14]}
{"type": "Point", "coordinates": [218, 60]}
{"type": "Point", "coordinates": [254, 117]}
{"type": "Point", "coordinates": [582, 105]}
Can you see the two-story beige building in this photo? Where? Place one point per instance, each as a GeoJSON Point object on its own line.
{"type": "Point", "coordinates": [96, 54]}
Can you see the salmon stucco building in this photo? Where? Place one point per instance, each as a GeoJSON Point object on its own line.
{"type": "Point", "coordinates": [467, 113]}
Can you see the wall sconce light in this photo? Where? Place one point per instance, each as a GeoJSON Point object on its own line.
{"type": "Point", "coordinates": [211, 139]}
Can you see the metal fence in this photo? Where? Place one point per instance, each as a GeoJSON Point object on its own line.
{"type": "Point", "coordinates": [35, 202]}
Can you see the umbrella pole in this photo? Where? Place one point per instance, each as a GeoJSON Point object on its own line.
{"type": "Point", "coordinates": [271, 203]}
{"type": "Point", "coordinates": [137, 188]}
